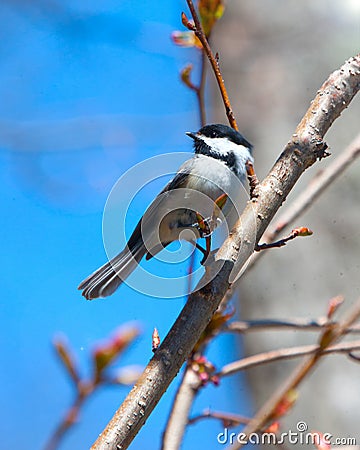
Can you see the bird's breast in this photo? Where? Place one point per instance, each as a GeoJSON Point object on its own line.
{"type": "Point", "coordinates": [210, 176]}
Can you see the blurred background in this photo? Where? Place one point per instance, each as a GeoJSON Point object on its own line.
{"type": "Point", "coordinates": [275, 56]}
{"type": "Point", "coordinates": [89, 90]}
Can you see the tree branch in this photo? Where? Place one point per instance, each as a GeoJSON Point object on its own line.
{"type": "Point", "coordinates": [244, 326]}
{"type": "Point", "coordinates": [315, 188]}
{"type": "Point", "coordinates": [178, 419]}
{"type": "Point", "coordinates": [285, 353]}
{"type": "Point", "coordinates": [301, 152]}
{"type": "Point", "coordinates": [197, 373]}
{"type": "Point", "coordinates": [327, 338]}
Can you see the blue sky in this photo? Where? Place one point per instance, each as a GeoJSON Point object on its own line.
{"type": "Point", "coordinates": [87, 91]}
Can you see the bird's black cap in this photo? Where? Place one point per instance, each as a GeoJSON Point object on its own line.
{"type": "Point", "coordinates": [219, 130]}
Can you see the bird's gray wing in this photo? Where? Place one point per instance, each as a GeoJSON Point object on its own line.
{"type": "Point", "coordinates": [179, 181]}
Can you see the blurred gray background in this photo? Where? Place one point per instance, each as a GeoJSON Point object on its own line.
{"type": "Point", "coordinates": [274, 56]}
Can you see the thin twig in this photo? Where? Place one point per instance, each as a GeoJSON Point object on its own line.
{"type": "Point", "coordinates": [284, 353]}
{"type": "Point", "coordinates": [198, 89]}
{"type": "Point", "coordinates": [327, 338]}
{"type": "Point", "coordinates": [101, 358]}
{"type": "Point", "coordinates": [225, 417]}
{"type": "Point", "coordinates": [70, 418]}
{"type": "Point", "coordinates": [252, 179]}
{"type": "Point", "coordinates": [201, 89]}
{"type": "Point", "coordinates": [301, 231]}
{"type": "Point", "coordinates": [231, 420]}
{"type": "Point", "coordinates": [322, 180]}
{"type": "Point", "coordinates": [199, 32]}
{"type": "Point", "coordinates": [292, 324]}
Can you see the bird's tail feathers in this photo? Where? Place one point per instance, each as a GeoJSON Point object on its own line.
{"type": "Point", "coordinates": [105, 280]}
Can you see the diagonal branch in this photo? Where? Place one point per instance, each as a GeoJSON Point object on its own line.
{"type": "Point", "coordinates": [301, 152]}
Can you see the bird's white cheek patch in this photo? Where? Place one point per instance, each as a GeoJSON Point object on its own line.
{"type": "Point", "coordinates": [220, 145]}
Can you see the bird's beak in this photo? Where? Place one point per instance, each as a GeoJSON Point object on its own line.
{"type": "Point", "coordinates": [191, 134]}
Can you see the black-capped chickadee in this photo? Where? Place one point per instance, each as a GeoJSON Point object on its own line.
{"type": "Point", "coordinates": [217, 167]}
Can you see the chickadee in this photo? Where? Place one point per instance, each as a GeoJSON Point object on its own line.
{"type": "Point", "coordinates": [216, 168]}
